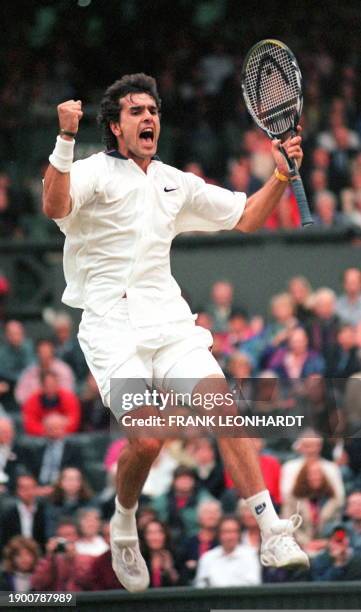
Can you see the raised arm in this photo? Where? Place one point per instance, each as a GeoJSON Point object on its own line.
{"type": "Point", "coordinates": [56, 195]}
{"type": "Point", "coordinates": [260, 205]}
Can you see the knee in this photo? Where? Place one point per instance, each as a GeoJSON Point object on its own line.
{"type": "Point", "coordinates": [148, 448]}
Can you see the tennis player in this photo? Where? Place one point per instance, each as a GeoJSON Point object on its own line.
{"type": "Point", "coordinates": [120, 210]}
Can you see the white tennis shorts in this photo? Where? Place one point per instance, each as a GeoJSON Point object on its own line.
{"type": "Point", "coordinates": [113, 348]}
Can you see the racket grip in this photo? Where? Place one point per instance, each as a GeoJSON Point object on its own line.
{"type": "Point", "coordinates": [301, 198]}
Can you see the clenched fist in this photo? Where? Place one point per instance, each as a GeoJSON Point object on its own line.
{"type": "Point", "coordinates": [69, 114]}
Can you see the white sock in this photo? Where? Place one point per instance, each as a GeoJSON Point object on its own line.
{"type": "Point", "coordinates": [127, 516]}
{"type": "Point", "coordinates": [263, 511]}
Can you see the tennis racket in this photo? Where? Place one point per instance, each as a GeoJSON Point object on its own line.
{"type": "Point", "coordinates": [272, 90]}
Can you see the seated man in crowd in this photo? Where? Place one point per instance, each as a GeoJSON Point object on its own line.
{"type": "Point", "coordinates": [230, 563]}
{"type": "Point", "coordinates": [26, 515]}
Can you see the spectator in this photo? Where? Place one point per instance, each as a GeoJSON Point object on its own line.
{"type": "Point", "coordinates": [230, 563]}
{"type": "Point", "coordinates": [348, 305]}
{"type": "Point", "coordinates": [158, 555]}
{"type": "Point", "coordinates": [283, 315]}
{"type": "Point", "coordinates": [240, 178]}
{"type": "Point", "coordinates": [250, 534]}
{"type": "Point", "coordinates": [4, 294]}
{"type": "Point", "coordinates": [209, 514]}
{"type": "Point", "coordinates": [57, 453]}
{"type": "Point", "coordinates": [90, 541]}
{"type": "Point", "coordinates": [238, 328]}
{"type": "Point", "coordinates": [51, 398]}
{"type": "Point", "coordinates": [26, 515]}
{"type": "Point", "coordinates": [320, 404]}
{"type": "Point", "coordinates": [10, 219]}
{"type": "Point", "coordinates": [326, 214]}
{"type": "Point", "coordinates": [353, 514]}
{"type": "Point", "coordinates": [30, 380]}
{"type": "Point", "coordinates": [101, 575]}
{"type": "Point", "coordinates": [344, 147]}
{"type": "Point", "coordinates": [62, 568]}
{"type": "Point", "coordinates": [221, 304]}
{"type": "Point", "coordinates": [208, 465]}
{"type": "Point", "coordinates": [67, 347]}
{"type": "Point", "coordinates": [313, 497]}
{"type": "Point", "coordinates": [323, 328]}
{"type": "Point", "coordinates": [20, 557]}
{"type": "Point", "coordinates": [178, 507]}
{"type": "Point", "coordinates": [309, 446]}
{"type": "Point", "coordinates": [71, 493]}
{"type": "Point", "coordinates": [271, 471]}
{"type": "Point", "coordinates": [94, 415]}
{"type": "Point", "coordinates": [239, 370]}
{"type": "Point", "coordinates": [16, 352]}
{"type": "Point", "coordinates": [10, 455]}
{"type": "Point", "coordinates": [296, 360]}
{"type": "Point", "coordinates": [286, 214]}
{"type": "Point", "coordinates": [342, 358]}
{"type": "Point", "coordinates": [300, 290]}
{"type": "Point", "coordinates": [339, 562]}
{"type": "Point", "coordinates": [351, 199]}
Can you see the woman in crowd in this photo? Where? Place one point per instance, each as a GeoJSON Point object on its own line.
{"type": "Point", "coordinates": [71, 492]}
{"type": "Point", "coordinates": [90, 541]}
{"type": "Point", "coordinates": [20, 557]}
{"type": "Point", "coordinates": [158, 555]}
{"type": "Point", "coordinates": [313, 497]}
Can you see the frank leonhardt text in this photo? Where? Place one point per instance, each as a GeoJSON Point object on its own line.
{"type": "Point", "coordinates": [209, 420]}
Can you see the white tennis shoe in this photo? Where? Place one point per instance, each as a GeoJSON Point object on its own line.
{"type": "Point", "coordinates": [127, 561]}
{"type": "Point", "coordinates": [281, 549]}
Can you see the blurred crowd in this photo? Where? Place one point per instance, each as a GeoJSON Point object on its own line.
{"type": "Point", "coordinates": [206, 128]}
{"type": "Point", "coordinates": [58, 453]}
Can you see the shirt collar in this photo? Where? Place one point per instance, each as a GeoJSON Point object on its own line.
{"type": "Point", "coordinates": [115, 153]}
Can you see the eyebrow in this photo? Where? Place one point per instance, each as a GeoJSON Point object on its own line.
{"type": "Point", "coordinates": [141, 107]}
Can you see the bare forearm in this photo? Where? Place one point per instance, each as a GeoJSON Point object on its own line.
{"type": "Point", "coordinates": [56, 195]}
{"type": "Point", "coordinates": [260, 205]}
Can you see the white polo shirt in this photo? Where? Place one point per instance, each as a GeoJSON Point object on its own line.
{"type": "Point", "coordinates": [216, 568]}
{"type": "Point", "coordinates": [120, 229]}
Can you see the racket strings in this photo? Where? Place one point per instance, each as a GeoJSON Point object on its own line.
{"type": "Point", "coordinates": [272, 86]}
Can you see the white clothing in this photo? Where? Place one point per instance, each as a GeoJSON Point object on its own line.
{"type": "Point", "coordinates": [26, 516]}
{"type": "Point", "coordinates": [94, 547]}
{"type": "Point", "coordinates": [120, 229]}
{"type": "Point", "coordinates": [291, 469]}
{"type": "Point", "coordinates": [160, 476]}
{"type": "Point", "coordinates": [239, 568]}
{"type": "Point", "coordinates": [174, 353]}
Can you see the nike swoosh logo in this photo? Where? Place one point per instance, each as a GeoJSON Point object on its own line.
{"type": "Point", "coordinates": [172, 189]}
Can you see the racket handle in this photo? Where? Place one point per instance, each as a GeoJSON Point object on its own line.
{"type": "Point", "coordinates": [301, 198]}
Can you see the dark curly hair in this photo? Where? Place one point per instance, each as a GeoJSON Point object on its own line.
{"type": "Point", "coordinates": [110, 107]}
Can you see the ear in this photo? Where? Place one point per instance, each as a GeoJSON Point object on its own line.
{"type": "Point", "coordinates": [115, 128]}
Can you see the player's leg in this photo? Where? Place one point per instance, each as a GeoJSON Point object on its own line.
{"type": "Point", "coordinates": [240, 457]}
{"type": "Point", "coordinates": [110, 350]}
{"type": "Point", "coordinates": [133, 468]}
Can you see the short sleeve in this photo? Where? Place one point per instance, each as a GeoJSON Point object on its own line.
{"type": "Point", "coordinates": [208, 208]}
{"type": "Point", "coordinates": [83, 175]}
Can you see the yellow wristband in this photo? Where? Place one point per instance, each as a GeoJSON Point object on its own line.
{"type": "Point", "coordinates": [281, 177]}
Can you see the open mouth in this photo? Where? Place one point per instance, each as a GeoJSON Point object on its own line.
{"type": "Point", "coordinates": [147, 135]}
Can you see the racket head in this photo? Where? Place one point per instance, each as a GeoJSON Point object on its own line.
{"type": "Point", "coordinates": [272, 87]}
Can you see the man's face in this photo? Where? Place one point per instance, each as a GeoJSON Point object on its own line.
{"type": "Point", "coordinates": [26, 489]}
{"type": "Point", "coordinates": [138, 128]}
{"type": "Point", "coordinates": [229, 535]}
{"type": "Point", "coordinates": [14, 333]}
